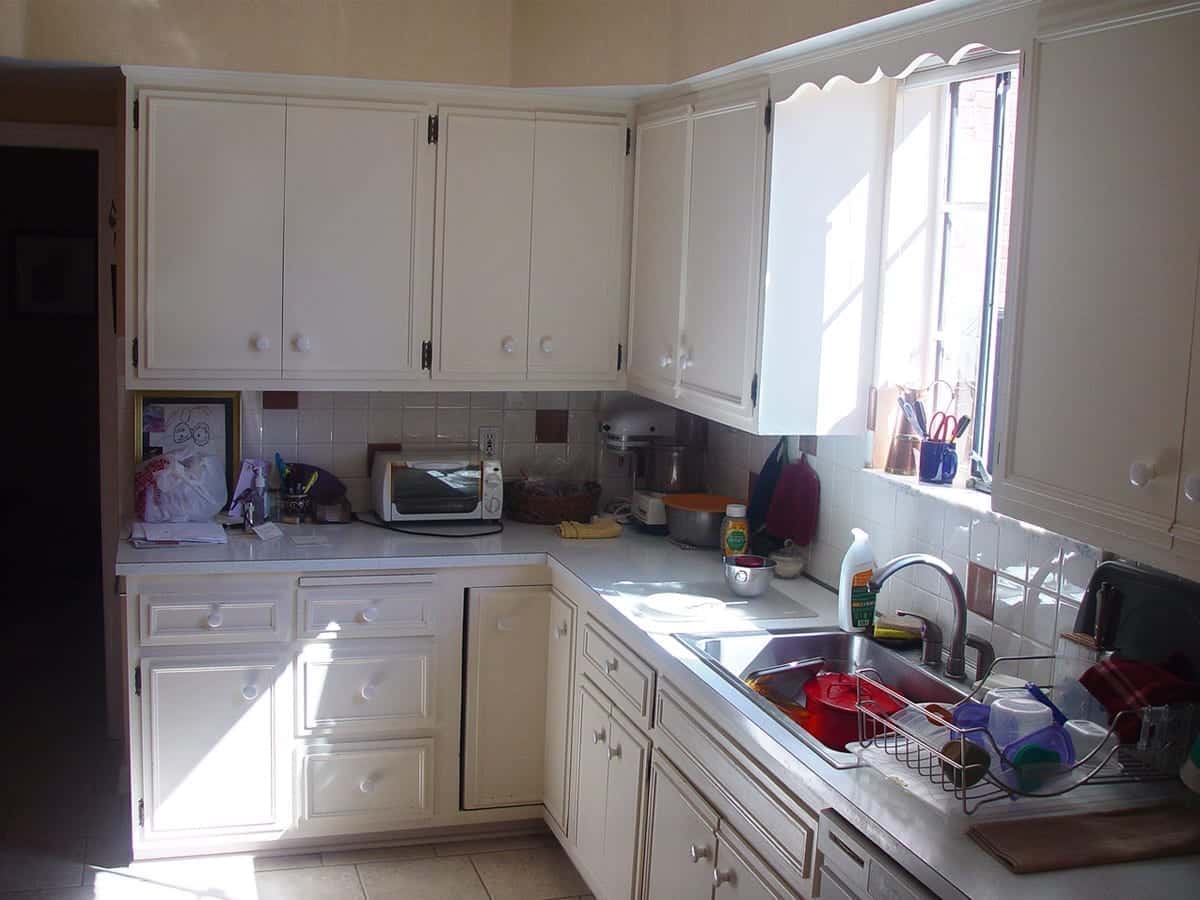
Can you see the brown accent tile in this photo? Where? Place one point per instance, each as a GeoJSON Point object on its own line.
{"type": "Point", "coordinates": [550, 426]}
{"type": "Point", "coordinates": [281, 400]}
{"type": "Point", "coordinates": [981, 590]}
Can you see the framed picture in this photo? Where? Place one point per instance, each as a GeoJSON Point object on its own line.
{"type": "Point", "coordinates": [53, 275]}
{"type": "Point", "coordinates": [207, 422]}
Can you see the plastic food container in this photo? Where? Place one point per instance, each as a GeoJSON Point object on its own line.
{"type": "Point", "coordinates": [970, 714]}
{"type": "Point", "coordinates": [1086, 736]}
{"type": "Point", "coordinates": [1038, 757]}
{"type": "Point", "coordinates": [1012, 718]}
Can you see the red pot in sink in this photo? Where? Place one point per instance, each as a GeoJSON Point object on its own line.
{"type": "Point", "coordinates": [831, 699]}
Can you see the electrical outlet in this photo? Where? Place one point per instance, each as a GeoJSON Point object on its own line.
{"type": "Point", "coordinates": [489, 440]}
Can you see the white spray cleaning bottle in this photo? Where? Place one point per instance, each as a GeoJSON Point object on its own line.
{"type": "Point", "coordinates": [856, 600]}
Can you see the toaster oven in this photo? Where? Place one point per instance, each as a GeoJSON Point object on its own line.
{"type": "Point", "coordinates": [436, 485]}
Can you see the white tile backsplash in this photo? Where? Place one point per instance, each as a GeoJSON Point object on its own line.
{"type": "Point", "coordinates": [332, 429]}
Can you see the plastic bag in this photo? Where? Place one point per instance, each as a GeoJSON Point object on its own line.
{"type": "Point", "coordinates": [183, 486]}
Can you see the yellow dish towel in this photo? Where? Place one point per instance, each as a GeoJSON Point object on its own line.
{"type": "Point", "coordinates": [598, 528]}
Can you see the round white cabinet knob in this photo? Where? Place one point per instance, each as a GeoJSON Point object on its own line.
{"type": "Point", "coordinates": [368, 691]}
{"type": "Point", "coordinates": [614, 752]}
{"type": "Point", "coordinates": [1191, 488]}
{"type": "Point", "coordinates": [720, 878]}
{"type": "Point", "coordinates": [262, 343]}
{"type": "Point", "coordinates": [666, 361]}
{"type": "Point", "coordinates": [562, 630]}
{"type": "Point", "coordinates": [369, 615]}
{"type": "Point", "coordinates": [249, 692]}
{"type": "Point", "coordinates": [367, 785]}
{"type": "Point", "coordinates": [304, 343]}
{"type": "Point", "coordinates": [698, 853]}
{"type": "Point", "coordinates": [685, 360]}
{"type": "Point", "coordinates": [508, 345]}
{"type": "Point", "coordinates": [598, 736]}
{"type": "Point", "coordinates": [1141, 474]}
{"type": "Point", "coordinates": [214, 619]}
{"type": "Point", "coordinates": [547, 345]}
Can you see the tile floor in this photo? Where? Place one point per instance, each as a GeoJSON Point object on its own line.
{"type": "Point", "coordinates": [530, 867]}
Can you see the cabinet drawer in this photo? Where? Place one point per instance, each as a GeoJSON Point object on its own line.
{"type": "Point", "coordinates": [367, 606]}
{"type": "Point", "coordinates": [381, 689]}
{"type": "Point", "coordinates": [381, 778]}
{"type": "Point", "coordinates": [628, 679]}
{"type": "Point", "coordinates": [216, 617]}
{"type": "Point", "coordinates": [778, 826]}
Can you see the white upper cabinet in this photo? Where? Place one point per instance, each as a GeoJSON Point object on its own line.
{"type": "Point", "coordinates": [210, 266]}
{"type": "Point", "coordinates": [661, 186]}
{"type": "Point", "coordinates": [357, 240]}
{"type": "Point", "coordinates": [1102, 336]}
{"type": "Point", "coordinates": [719, 325]}
{"type": "Point", "coordinates": [788, 349]}
{"type": "Point", "coordinates": [484, 215]}
{"type": "Point", "coordinates": [575, 283]}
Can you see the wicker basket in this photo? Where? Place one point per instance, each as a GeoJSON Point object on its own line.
{"type": "Point", "coordinates": [523, 505]}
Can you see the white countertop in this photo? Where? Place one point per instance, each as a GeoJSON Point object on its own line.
{"type": "Point", "coordinates": [661, 589]}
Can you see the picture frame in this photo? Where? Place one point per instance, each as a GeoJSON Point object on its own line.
{"type": "Point", "coordinates": [207, 421]}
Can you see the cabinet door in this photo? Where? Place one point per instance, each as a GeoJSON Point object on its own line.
{"type": "Point", "coordinates": [211, 254]}
{"type": "Point", "coordinates": [215, 745]}
{"type": "Point", "coordinates": [506, 659]}
{"type": "Point", "coordinates": [357, 240]}
{"type": "Point", "coordinates": [719, 337]}
{"type": "Point", "coordinates": [481, 282]}
{"type": "Point", "coordinates": [560, 670]}
{"type": "Point", "coordinates": [590, 778]}
{"type": "Point", "coordinates": [660, 213]}
{"type": "Point", "coordinates": [628, 753]}
{"type": "Point", "coordinates": [682, 844]}
{"type": "Point", "coordinates": [578, 222]}
{"type": "Point", "coordinates": [1104, 314]}
{"type": "Point", "coordinates": [740, 874]}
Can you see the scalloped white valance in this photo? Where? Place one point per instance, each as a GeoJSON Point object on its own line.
{"type": "Point", "coordinates": [1004, 26]}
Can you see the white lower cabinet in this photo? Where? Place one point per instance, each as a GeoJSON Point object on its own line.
{"type": "Point", "coordinates": [343, 784]}
{"type": "Point", "coordinates": [560, 672]}
{"type": "Point", "coordinates": [611, 773]}
{"type": "Point", "coordinates": [505, 697]}
{"type": "Point", "coordinates": [214, 738]}
{"type": "Point", "coordinates": [692, 853]}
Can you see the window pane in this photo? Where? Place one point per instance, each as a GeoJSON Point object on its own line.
{"type": "Point", "coordinates": [973, 113]}
{"type": "Point", "coordinates": [962, 301]}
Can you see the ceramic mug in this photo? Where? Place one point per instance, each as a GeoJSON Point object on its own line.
{"type": "Point", "coordinates": [939, 462]}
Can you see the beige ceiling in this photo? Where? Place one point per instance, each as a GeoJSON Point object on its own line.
{"type": "Point", "coordinates": [493, 42]}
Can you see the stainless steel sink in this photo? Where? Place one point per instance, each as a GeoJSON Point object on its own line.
{"type": "Point", "coordinates": [733, 656]}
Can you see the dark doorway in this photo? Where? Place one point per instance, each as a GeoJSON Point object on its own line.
{"type": "Point", "coordinates": [58, 768]}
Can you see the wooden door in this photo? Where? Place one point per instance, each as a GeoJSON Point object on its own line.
{"type": "Point", "coordinates": [719, 330]}
{"type": "Point", "coordinates": [357, 240]}
{"type": "Point", "coordinates": [628, 754]}
{"type": "Point", "coordinates": [215, 745]}
{"type": "Point", "coordinates": [660, 210]}
{"type": "Point", "coordinates": [211, 234]}
{"type": "Point", "coordinates": [590, 778]}
{"type": "Point", "coordinates": [484, 215]}
{"type": "Point", "coordinates": [560, 670]}
{"type": "Point", "coordinates": [1102, 319]}
{"type": "Point", "coordinates": [682, 844]}
{"type": "Point", "coordinates": [504, 740]}
{"type": "Point", "coordinates": [575, 294]}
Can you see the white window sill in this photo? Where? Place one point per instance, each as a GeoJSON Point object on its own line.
{"type": "Point", "coordinates": [963, 497]}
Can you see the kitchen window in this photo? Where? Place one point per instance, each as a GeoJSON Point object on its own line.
{"type": "Point", "coordinates": [946, 256]}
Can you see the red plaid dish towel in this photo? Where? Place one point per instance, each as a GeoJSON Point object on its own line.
{"type": "Point", "coordinates": [1121, 684]}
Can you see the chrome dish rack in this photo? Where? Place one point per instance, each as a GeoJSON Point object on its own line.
{"type": "Point", "coordinates": [976, 784]}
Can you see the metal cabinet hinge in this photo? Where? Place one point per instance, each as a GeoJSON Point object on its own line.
{"type": "Point", "coordinates": [754, 391]}
{"type": "Point", "coordinates": [620, 355]}
{"type": "Point", "coordinates": [141, 812]}
{"type": "Point", "coordinates": [427, 355]}
{"type": "Point", "coordinates": [628, 140]}
{"type": "Point", "coordinates": [137, 680]}
{"type": "Point", "coordinates": [135, 115]}
{"type": "Point", "coordinates": [135, 353]}
{"type": "Point", "coordinates": [431, 131]}
{"type": "Point", "coordinates": [767, 115]}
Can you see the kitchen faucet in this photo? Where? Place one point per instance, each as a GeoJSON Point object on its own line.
{"type": "Point", "coordinates": [956, 664]}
